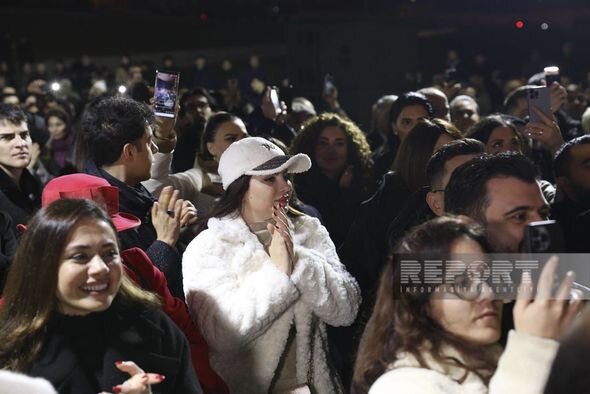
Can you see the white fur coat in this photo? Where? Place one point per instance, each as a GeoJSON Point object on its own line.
{"type": "Point", "coordinates": [245, 306]}
{"type": "Point", "coordinates": [523, 368]}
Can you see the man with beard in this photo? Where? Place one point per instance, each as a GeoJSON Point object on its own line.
{"type": "Point", "coordinates": [571, 208]}
{"type": "Point", "coordinates": [502, 193]}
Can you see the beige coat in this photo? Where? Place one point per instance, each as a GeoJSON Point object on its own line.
{"type": "Point", "coordinates": [523, 368]}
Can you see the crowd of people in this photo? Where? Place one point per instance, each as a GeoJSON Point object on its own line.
{"type": "Point", "coordinates": [249, 246]}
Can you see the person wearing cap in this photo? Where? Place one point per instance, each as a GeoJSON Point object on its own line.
{"type": "Point", "coordinates": [120, 145]}
{"type": "Point", "coordinates": [263, 280]}
{"type": "Point", "coordinates": [138, 265]}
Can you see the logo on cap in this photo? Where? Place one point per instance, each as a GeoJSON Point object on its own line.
{"type": "Point", "coordinates": [268, 146]}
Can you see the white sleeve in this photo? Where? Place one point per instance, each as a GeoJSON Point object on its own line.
{"type": "Point", "coordinates": [234, 299]}
{"type": "Point", "coordinates": [323, 281]}
{"type": "Point", "coordinates": [189, 183]}
{"type": "Point", "coordinates": [415, 380]}
{"type": "Point", "coordinates": [525, 365]}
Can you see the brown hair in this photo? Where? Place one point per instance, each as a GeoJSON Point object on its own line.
{"type": "Point", "coordinates": [416, 149]}
{"type": "Point", "coordinates": [30, 295]}
{"type": "Point", "coordinates": [359, 151]}
{"type": "Point", "coordinates": [401, 321]}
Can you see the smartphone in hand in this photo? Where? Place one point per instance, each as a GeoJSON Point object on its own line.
{"type": "Point", "coordinates": [551, 75]}
{"type": "Point", "coordinates": [540, 98]}
{"type": "Point", "coordinates": [543, 236]}
{"type": "Point", "coordinates": [166, 93]}
{"type": "Point", "coordinates": [274, 99]}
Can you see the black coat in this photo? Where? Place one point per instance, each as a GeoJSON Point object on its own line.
{"type": "Point", "coordinates": [338, 207]}
{"type": "Point", "coordinates": [364, 253]}
{"type": "Point", "coordinates": [80, 352]}
{"type": "Point", "coordinates": [21, 201]}
{"type": "Point", "coordinates": [574, 220]}
{"type": "Point", "coordinates": [7, 246]}
{"type": "Point", "coordinates": [138, 201]}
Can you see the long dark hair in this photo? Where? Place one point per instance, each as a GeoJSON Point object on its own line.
{"type": "Point", "coordinates": [211, 129]}
{"type": "Point", "coordinates": [416, 149]}
{"type": "Point", "coordinates": [359, 151]}
{"type": "Point", "coordinates": [64, 117]}
{"type": "Point", "coordinates": [229, 203]}
{"type": "Point", "coordinates": [401, 321]}
{"type": "Point", "coordinates": [482, 130]}
{"type": "Point", "coordinates": [30, 295]}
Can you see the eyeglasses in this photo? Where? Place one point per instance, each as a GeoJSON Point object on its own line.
{"type": "Point", "coordinates": [469, 285]}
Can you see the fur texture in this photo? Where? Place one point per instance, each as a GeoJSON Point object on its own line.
{"type": "Point", "coordinates": [245, 306]}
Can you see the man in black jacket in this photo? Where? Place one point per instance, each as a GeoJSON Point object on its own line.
{"type": "Point", "coordinates": [571, 208]}
{"type": "Point", "coordinates": [20, 192]}
{"type": "Point", "coordinates": [120, 147]}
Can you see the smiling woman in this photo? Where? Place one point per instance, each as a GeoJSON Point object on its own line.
{"type": "Point", "coordinates": [69, 311]}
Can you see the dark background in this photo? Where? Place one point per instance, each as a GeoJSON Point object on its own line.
{"type": "Point", "coordinates": [371, 47]}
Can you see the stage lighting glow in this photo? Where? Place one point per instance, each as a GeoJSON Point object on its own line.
{"type": "Point", "coordinates": [122, 89]}
{"type": "Point", "coordinates": [544, 26]}
{"type": "Point", "coordinates": [55, 86]}
{"type": "Point", "coordinates": [519, 24]}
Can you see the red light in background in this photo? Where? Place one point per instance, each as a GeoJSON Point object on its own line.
{"type": "Point", "coordinates": [519, 24]}
{"type": "Point", "coordinates": [204, 16]}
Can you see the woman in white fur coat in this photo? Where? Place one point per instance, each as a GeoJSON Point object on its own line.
{"type": "Point", "coordinates": [446, 341]}
{"type": "Point", "coordinates": [263, 280]}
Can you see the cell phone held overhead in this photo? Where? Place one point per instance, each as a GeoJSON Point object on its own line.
{"type": "Point", "coordinates": [274, 99]}
{"type": "Point", "coordinates": [166, 93]}
{"type": "Point", "coordinates": [539, 97]}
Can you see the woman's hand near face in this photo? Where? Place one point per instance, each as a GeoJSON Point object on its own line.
{"type": "Point", "coordinates": [346, 177]}
{"type": "Point", "coordinates": [139, 383]}
{"type": "Point", "coordinates": [281, 244]}
{"type": "Point", "coordinates": [548, 315]}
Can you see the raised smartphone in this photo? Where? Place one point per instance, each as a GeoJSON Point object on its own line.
{"type": "Point", "coordinates": [166, 93]}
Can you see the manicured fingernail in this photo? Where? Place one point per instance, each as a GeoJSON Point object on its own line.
{"type": "Point", "coordinates": [160, 377]}
{"type": "Point", "coordinates": [119, 362]}
{"type": "Point", "coordinates": [116, 389]}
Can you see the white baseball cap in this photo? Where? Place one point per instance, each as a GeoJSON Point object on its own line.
{"type": "Point", "coordinates": [258, 156]}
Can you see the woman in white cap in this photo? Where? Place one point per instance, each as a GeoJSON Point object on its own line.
{"type": "Point", "coordinates": [263, 280]}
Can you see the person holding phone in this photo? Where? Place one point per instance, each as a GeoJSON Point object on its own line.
{"type": "Point", "coordinates": [270, 119]}
{"type": "Point", "coordinates": [264, 280]}
{"type": "Point", "coordinates": [120, 145]}
{"type": "Point", "coordinates": [447, 340]}
{"type": "Point", "coordinates": [200, 184]}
